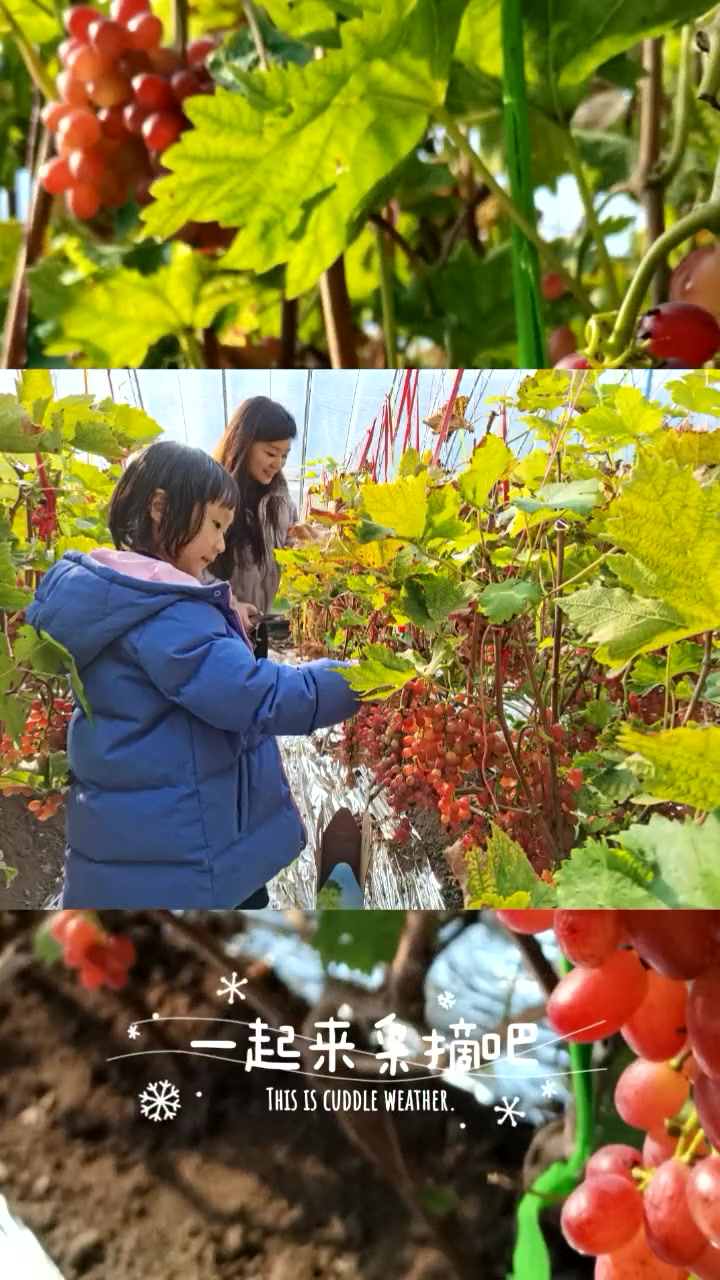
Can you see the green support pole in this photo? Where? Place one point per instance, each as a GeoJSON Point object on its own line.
{"type": "Point", "coordinates": [526, 265]}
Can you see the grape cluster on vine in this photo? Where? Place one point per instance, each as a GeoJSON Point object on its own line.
{"type": "Point", "coordinates": [119, 107]}
{"type": "Point", "coordinates": [101, 958]}
{"type": "Point", "coordinates": [651, 1211]}
{"type": "Point", "coordinates": [45, 731]}
{"type": "Point", "coordinates": [450, 756]}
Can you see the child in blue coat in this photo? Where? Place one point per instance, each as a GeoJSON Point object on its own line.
{"type": "Point", "coordinates": [179, 798]}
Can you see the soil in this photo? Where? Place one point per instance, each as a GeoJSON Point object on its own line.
{"type": "Point", "coordinates": [229, 1190]}
{"type": "Point", "coordinates": [35, 849]}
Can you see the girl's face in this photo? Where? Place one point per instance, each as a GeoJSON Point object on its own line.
{"type": "Point", "coordinates": [195, 557]}
{"type": "Point", "coordinates": [266, 458]}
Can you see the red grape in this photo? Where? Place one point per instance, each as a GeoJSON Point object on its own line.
{"type": "Point", "coordinates": [77, 20]}
{"type": "Point", "coordinates": [703, 1019]}
{"type": "Point", "coordinates": [83, 200]}
{"type": "Point", "coordinates": [647, 1093]}
{"type": "Point", "coordinates": [602, 1214]}
{"type": "Point", "coordinates": [599, 1000]}
{"type": "Point", "coordinates": [680, 331]}
{"type": "Point", "coordinates": [657, 1029]}
{"type": "Point", "coordinates": [55, 176]}
{"type": "Point", "coordinates": [679, 944]}
{"type": "Point", "coordinates": [587, 938]}
{"type": "Point", "coordinates": [616, 1157]}
{"type": "Point", "coordinates": [703, 1193]}
{"type": "Point", "coordinates": [161, 130]}
{"type": "Point", "coordinates": [671, 1229]}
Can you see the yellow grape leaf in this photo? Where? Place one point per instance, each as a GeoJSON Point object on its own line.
{"type": "Point", "coordinates": [669, 525]}
{"type": "Point", "coordinates": [377, 555]}
{"type": "Point", "coordinates": [682, 765]}
{"type": "Point", "coordinates": [401, 505]}
{"type": "Point", "coordinates": [489, 463]}
{"type": "Point", "coordinates": [623, 415]}
{"type": "Point", "coordinates": [689, 448]}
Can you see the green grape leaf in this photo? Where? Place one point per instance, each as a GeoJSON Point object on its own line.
{"type": "Point", "coordinates": [682, 765]}
{"type": "Point", "coordinates": [379, 673]}
{"type": "Point", "coordinates": [401, 506]}
{"type": "Point", "coordinates": [620, 624]}
{"type": "Point", "coordinates": [294, 168]}
{"type": "Point", "coordinates": [622, 416]}
{"type": "Point", "coordinates": [490, 462]}
{"type": "Point", "coordinates": [649, 671]}
{"type": "Point", "coordinates": [429, 601]}
{"type": "Point", "coordinates": [501, 601]}
{"type": "Point", "coordinates": [443, 514]}
{"type": "Point", "coordinates": [598, 876]}
{"type": "Point", "coordinates": [49, 657]}
{"type": "Point", "coordinates": [11, 233]}
{"type": "Point", "coordinates": [686, 857]}
{"type": "Point", "coordinates": [18, 432]}
{"type": "Point", "coordinates": [692, 394]}
{"type": "Point", "coordinates": [13, 714]}
{"type": "Point", "coordinates": [360, 939]}
{"type": "Point", "coordinates": [102, 322]}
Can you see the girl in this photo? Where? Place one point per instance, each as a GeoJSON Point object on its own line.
{"type": "Point", "coordinates": [254, 449]}
{"type": "Point", "coordinates": [178, 798]}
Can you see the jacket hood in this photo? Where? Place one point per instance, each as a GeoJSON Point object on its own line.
{"type": "Point", "coordinates": [86, 601]}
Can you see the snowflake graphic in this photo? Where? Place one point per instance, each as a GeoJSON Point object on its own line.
{"type": "Point", "coordinates": [446, 999]}
{"type": "Point", "coordinates": [549, 1089]}
{"type": "Point", "coordinates": [133, 1031]}
{"type": "Point", "coordinates": [508, 1111]}
{"type": "Point", "coordinates": [160, 1101]}
{"type": "Point", "coordinates": [230, 987]}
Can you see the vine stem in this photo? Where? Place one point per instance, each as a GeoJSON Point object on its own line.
{"type": "Point", "coordinates": [180, 25]}
{"type": "Point", "coordinates": [702, 678]}
{"type": "Point", "coordinates": [386, 296]}
{"type": "Point", "coordinates": [649, 150]}
{"type": "Point", "coordinates": [664, 173]}
{"type": "Point", "coordinates": [557, 629]}
{"type": "Point", "coordinates": [337, 315]}
{"type": "Point", "coordinates": [192, 351]}
{"type": "Point", "coordinates": [511, 210]}
{"type": "Point", "coordinates": [14, 353]}
{"type": "Point", "coordinates": [592, 219]}
{"type": "Point", "coordinates": [706, 217]}
{"type": "Point", "coordinates": [502, 721]}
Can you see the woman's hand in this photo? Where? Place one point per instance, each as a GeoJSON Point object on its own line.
{"type": "Point", "coordinates": [249, 613]}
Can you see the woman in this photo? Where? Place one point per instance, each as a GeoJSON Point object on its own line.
{"type": "Point", "coordinates": [254, 449]}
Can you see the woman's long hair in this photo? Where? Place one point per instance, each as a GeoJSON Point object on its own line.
{"type": "Point", "coordinates": [256, 419]}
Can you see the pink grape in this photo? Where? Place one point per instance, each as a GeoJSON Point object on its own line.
{"type": "Point", "coordinates": [602, 1214]}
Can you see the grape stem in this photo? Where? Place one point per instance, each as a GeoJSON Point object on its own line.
{"type": "Point", "coordinates": [547, 255]}
{"type": "Point", "coordinates": [665, 172]}
{"type": "Point", "coordinates": [35, 68]}
{"type": "Point", "coordinates": [386, 295]}
{"type": "Point", "coordinates": [705, 217]}
{"type": "Point", "coordinates": [702, 678]}
{"type": "Point", "coordinates": [708, 41]}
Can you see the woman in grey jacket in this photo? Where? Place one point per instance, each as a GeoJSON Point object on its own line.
{"type": "Point", "coordinates": [254, 449]}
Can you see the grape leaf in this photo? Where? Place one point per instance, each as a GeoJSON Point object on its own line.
{"type": "Point", "coordinates": [49, 657]}
{"type": "Point", "coordinates": [401, 506]}
{"type": "Point", "coordinates": [429, 601]}
{"type": "Point", "coordinates": [682, 765]}
{"type": "Point", "coordinates": [489, 463]}
{"type": "Point", "coordinates": [294, 172]}
{"type": "Point", "coordinates": [692, 393]}
{"type": "Point", "coordinates": [18, 432]}
{"type": "Point", "coordinates": [35, 391]}
{"type": "Point", "coordinates": [598, 876]}
{"type": "Point", "coordinates": [501, 601]}
{"type": "Point", "coordinates": [687, 857]}
{"type": "Point", "coordinates": [102, 322]}
{"type": "Point", "coordinates": [648, 671]}
{"type": "Point", "coordinates": [443, 514]}
{"type": "Point", "coordinates": [501, 873]}
{"type": "Point", "coordinates": [623, 415]}
{"type": "Point", "coordinates": [621, 624]}
{"type": "Point", "coordinates": [11, 233]}
{"type": "Point", "coordinates": [379, 673]}
{"type": "Point", "coordinates": [359, 939]}
{"type": "Point", "coordinates": [13, 714]}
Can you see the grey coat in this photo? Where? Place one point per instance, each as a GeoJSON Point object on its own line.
{"type": "Point", "coordinates": [257, 584]}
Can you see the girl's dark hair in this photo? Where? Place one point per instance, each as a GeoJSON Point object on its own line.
{"type": "Point", "coordinates": [258, 418]}
{"type": "Point", "coordinates": [190, 479]}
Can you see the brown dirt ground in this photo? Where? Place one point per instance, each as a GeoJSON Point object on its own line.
{"type": "Point", "coordinates": [35, 849]}
{"type": "Point", "coordinates": [229, 1190]}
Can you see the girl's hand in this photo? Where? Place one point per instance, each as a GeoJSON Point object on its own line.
{"type": "Point", "coordinates": [249, 613]}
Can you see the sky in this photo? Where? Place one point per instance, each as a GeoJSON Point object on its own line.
{"type": "Point", "coordinates": [338, 405]}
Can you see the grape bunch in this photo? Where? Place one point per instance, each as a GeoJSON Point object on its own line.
{"type": "Point", "coordinates": [101, 958]}
{"type": "Point", "coordinates": [45, 731]}
{"type": "Point", "coordinates": [448, 756]}
{"type": "Point", "coordinates": [651, 1211]}
{"type": "Point", "coordinates": [120, 106]}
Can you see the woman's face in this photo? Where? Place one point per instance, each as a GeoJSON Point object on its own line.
{"type": "Point", "coordinates": [266, 458]}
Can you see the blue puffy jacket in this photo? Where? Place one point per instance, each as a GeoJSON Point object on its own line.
{"type": "Point", "coordinates": [179, 798]}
